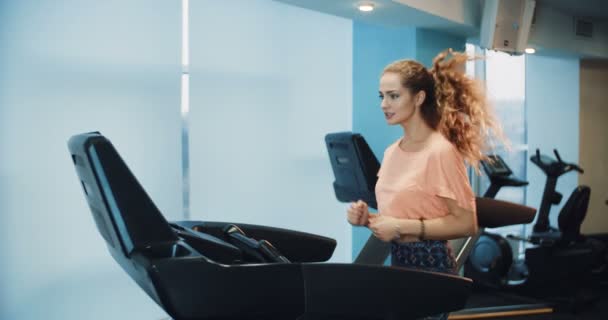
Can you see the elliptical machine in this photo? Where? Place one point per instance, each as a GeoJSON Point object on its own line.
{"type": "Point", "coordinates": [579, 256]}
{"type": "Point", "coordinates": [572, 214]}
{"type": "Point", "coordinates": [490, 262]}
{"type": "Point", "coordinates": [557, 262]}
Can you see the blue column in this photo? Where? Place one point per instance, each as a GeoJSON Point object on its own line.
{"type": "Point", "coordinates": [429, 43]}
{"type": "Point", "coordinates": [373, 48]}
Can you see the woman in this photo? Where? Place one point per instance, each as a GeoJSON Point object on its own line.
{"type": "Point", "coordinates": [423, 193]}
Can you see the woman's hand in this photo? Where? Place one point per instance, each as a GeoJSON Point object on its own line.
{"type": "Point", "coordinates": [385, 228]}
{"type": "Point", "coordinates": [358, 213]}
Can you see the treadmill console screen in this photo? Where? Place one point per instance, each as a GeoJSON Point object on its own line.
{"type": "Point", "coordinates": [496, 166]}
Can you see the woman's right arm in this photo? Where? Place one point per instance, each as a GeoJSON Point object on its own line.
{"type": "Point", "coordinates": [358, 213]}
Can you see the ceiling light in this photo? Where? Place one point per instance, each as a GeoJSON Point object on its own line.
{"type": "Point", "coordinates": [530, 50]}
{"type": "Point", "coordinates": [366, 7]}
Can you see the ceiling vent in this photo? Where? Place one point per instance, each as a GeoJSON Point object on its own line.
{"type": "Point", "coordinates": [583, 28]}
{"type": "Point", "coordinates": [505, 25]}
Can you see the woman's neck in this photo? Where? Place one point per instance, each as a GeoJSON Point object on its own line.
{"type": "Point", "coordinates": [416, 132]}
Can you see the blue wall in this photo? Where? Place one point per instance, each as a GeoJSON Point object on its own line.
{"type": "Point", "coordinates": [429, 43]}
{"type": "Point", "coordinates": [552, 113]}
{"type": "Point", "coordinates": [373, 48]}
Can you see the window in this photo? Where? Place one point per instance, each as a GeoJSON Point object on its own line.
{"type": "Point", "coordinates": [504, 79]}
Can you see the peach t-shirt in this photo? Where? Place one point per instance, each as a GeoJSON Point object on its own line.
{"type": "Point", "coordinates": [411, 182]}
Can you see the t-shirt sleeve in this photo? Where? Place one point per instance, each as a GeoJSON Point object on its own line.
{"type": "Point", "coordinates": [447, 177]}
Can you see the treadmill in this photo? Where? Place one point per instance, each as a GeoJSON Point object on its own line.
{"type": "Point", "coordinates": [229, 271]}
{"type": "Point", "coordinates": [355, 169]}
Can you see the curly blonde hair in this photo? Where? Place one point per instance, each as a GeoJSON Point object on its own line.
{"type": "Point", "coordinates": [455, 104]}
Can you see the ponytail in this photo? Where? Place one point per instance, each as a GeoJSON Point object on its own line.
{"type": "Point", "coordinates": [466, 118]}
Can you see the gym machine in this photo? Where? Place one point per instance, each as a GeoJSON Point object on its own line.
{"type": "Point", "coordinates": [229, 271]}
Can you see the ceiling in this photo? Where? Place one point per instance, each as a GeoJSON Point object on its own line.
{"type": "Point", "coordinates": [597, 9]}
{"type": "Point", "coordinates": [388, 13]}
{"type": "Point", "coordinates": [461, 18]}
{"type": "Point", "coordinates": [393, 13]}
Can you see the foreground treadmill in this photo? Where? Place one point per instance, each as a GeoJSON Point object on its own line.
{"type": "Point", "coordinates": [229, 271]}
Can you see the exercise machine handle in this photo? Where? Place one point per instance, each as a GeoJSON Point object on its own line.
{"type": "Point", "coordinates": [557, 155]}
{"type": "Point", "coordinates": [271, 252]}
{"type": "Point", "coordinates": [261, 250]}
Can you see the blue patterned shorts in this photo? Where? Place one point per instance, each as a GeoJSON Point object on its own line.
{"type": "Point", "coordinates": [427, 255]}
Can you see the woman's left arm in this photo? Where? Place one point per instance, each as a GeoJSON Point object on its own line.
{"type": "Point", "coordinates": [458, 223]}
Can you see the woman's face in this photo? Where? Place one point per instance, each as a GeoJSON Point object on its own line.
{"type": "Point", "coordinates": [398, 103]}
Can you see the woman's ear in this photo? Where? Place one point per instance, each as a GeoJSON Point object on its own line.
{"type": "Point", "coordinates": [419, 99]}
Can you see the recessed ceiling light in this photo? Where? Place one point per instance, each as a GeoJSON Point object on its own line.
{"type": "Point", "coordinates": [530, 50]}
{"type": "Point", "coordinates": [366, 7]}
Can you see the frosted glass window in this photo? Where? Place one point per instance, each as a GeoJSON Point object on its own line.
{"type": "Point", "coordinates": [70, 67]}
{"type": "Point", "coordinates": [267, 82]}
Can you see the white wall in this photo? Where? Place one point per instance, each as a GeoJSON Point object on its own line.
{"type": "Point", "coordinates": [268, 81]}
{"type": "Point", "coordinates": [70, 67]}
